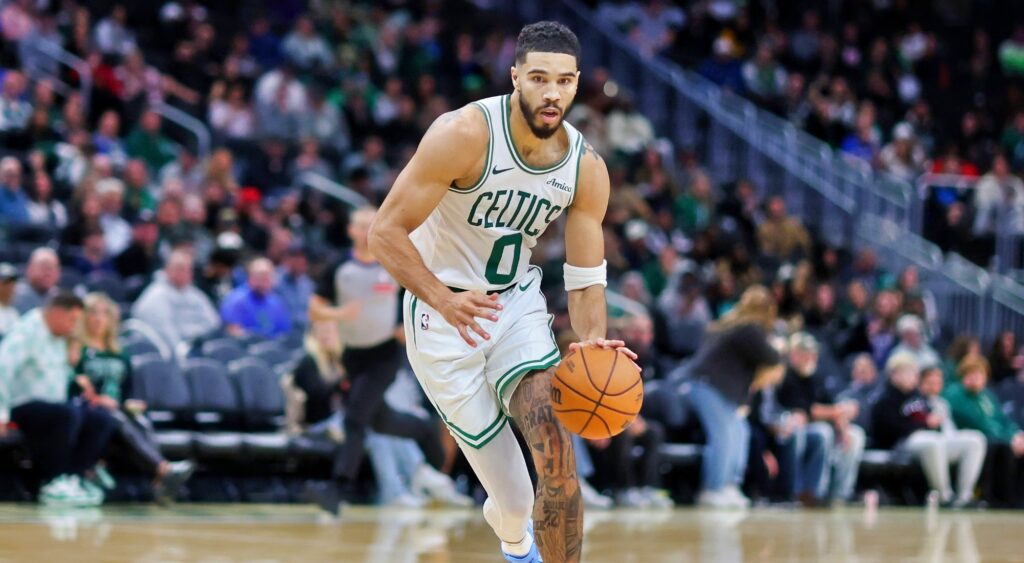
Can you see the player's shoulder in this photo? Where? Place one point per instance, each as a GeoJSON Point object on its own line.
{"type": "Point", "coordinates": [466, 124]}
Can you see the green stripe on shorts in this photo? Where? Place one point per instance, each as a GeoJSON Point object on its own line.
{"type": "Point", "coordinates": [549, 360]}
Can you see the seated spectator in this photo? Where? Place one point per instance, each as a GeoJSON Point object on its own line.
{"type": "Point", "coordinates": [65, 439]}
{"type": "Point", "coordinates": [1004, 357]}
{"type": "Point", "coordinates": [149, 144]}
{"type": "Point", "coordinates": [305, 49]}
{"type": "Point", "coordinates": [999, 200]}
{"type": "Point", "coordinates": [722, 68]}
{"type": "Point", "coordinates": [116, 231]}
{"type": "Point", "coordinates": [902, 419]}
{"type": "Point", "coordinates": [817, 419]}
{"type": "Point", "coordinates": [254, 308]}
{"type": "Point", "coordinates": [971, 443]}
{"type": "Point", "coordinates": [319, 377]}
{"type": "Point", "coordinates": [865, 388]}
{"type": "Point", "coordinates": [107, 138]}
{"type": "Point", "coordinates": [876, 332]}
{"type": "Point", "coordinates": [112, 35]}
{"type": "Point", "coordinates": [139, 192]}
{"type": "Point", "coordinates": [216, 279]}
{"type": "Point", "coordinates": [8, 314]}
{"type": "Point", "coordinates": [231, 114]}
{"type": "Point", "coordinates": [103, 379]}
{"type": "Point", "coordinates": [863, 143]}
{"type": "Point", "coordinates": [40, 283]}
{"type": "Point", "coordinates": [911, 332]}
{"type": "Point", "coordinates": [781, 236]}
{"type": "Point", "coordinates": [975, 407]}
{"type": "Point", "coordinates": [903, 157]}
{"type": "Point", "coordinates": [294, 285]}
{"type": "Point", "coordinates": [140, 258]}
{"type": "Point", "coordinates": [14, 110]}
{"type": "Point", "coordinates": [963, 345]}
{"type": "Point", "coordinates": [93, 257]}
{"type": "Point", "coordinates": [735, 360]}
{"type": "Point", "coordinates": [763, 76]}
{"type": "Point", "coordinates": [175, 308]}
{"type": "Point", "coordinates": [13, 202]}
{"type": "Point", "coordinates": [629, 131]}
{"type": "Point", "coordinates": [43, 209]}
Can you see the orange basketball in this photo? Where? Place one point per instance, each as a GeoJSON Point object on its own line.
{"type": "Point", "coordinates": [597, 392]}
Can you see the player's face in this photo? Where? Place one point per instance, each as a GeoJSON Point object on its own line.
{"type": "Point", "coordinates": [547, 84]}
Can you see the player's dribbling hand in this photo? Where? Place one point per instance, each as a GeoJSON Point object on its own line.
{"type": "Point", "coordinates": [462, 309]}
{"type": "Point", "coordinates": [606, 344]}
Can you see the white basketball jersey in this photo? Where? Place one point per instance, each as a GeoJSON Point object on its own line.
{"type": "Point", "coordinates": [482, 237]}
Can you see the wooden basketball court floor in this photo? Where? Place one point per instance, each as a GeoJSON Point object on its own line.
{"type": "Point", "coordinates": [265, 533]}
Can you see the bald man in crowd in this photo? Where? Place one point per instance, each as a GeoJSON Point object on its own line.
{"type": "Point", "coordinates": [174, 306]}
{"type": "Point", "coordinates": [40, 281]}
{"type": "Point", "coordinates": [255, 308]}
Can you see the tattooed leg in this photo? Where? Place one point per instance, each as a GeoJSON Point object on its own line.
{"type": "Point", "coordinates": [558, 509]}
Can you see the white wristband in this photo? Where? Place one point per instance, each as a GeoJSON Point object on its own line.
{"type": "Point", "coordinates": [579, 278]}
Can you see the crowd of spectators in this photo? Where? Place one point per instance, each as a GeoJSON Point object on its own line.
{"type": "Point", "coordinates": [908, 88]}
{"type": "Point", "coordinates": [116, 197]}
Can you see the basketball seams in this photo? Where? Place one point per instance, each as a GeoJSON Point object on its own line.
{"type": "Point", "coordinates": [626, 390]}
{"type": "Point", "coordinates": [607, 382]}
{"type": "Point", "coordinates": [573, 389]}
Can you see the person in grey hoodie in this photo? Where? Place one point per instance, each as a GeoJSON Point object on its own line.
{"type": "Point", "coordinates": [172, 305]}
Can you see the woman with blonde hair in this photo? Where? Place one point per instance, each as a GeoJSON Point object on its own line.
{"type": "Point", "coordinates": [103, 379]}
{"type": "Point", "coordinates": [736, 358]}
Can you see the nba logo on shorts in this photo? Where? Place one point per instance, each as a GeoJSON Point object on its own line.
{"type": "Point", "coordinates": [424, 321]}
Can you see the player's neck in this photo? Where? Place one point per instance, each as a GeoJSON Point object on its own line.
{"type": "Point", "coordinates": [522, 136]}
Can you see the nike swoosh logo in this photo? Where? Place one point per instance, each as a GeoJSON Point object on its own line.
{"type": "Point", "coordinates": [524, 287]}
{"type": "Point", "coordinates": [495, 171]}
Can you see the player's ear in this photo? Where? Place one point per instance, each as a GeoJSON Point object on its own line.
{"type": "Point", "coordinates": [515, 77]}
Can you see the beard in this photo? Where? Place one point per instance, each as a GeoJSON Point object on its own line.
{"type": "Point", "coordinates": [540, 129]}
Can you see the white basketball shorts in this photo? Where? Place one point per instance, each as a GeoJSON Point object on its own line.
{"type": "Point", "coordinates": [471, 387]}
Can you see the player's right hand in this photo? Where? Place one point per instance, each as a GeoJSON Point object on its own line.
{"type": "Point", "coordinates": [462, 309]}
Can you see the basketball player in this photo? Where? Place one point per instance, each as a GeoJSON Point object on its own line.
{"type": "Point", "coordinates": [456, 230]}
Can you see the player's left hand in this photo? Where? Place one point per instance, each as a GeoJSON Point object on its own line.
{"type": "Point", "coordinates": [606, 344]}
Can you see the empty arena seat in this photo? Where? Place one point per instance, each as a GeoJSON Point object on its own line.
{"type": "Point", "coordinates": [260, 394]}
{"type": "Point", "coordinates": [680, 454]}
{"type": "Point", "coordinates": [266, 444]}
{"type": "Point", "coordinates": [108, 283]}
{"type": "Point", "coordinates": [161, 385]}
{"type": "Point", "coordinates": [224, 350]}
{"type": "Point", "coordinates": [214, 400]}
{"type": "Point", "coordinates": [309, 447]}
{"type": "Point", "coordinates": [271, 352]}
{"type": "Point", "coordinates": [215, 409]}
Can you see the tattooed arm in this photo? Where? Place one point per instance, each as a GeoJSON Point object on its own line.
{"type": "Point", "coordinates": [558, 509]}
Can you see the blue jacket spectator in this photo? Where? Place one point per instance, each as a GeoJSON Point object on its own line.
{"type": "Point", "coordinates": [13, 202]}
{"type": "Point", "coordinates": [254, 308]}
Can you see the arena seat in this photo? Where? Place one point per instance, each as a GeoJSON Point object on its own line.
{"type": "Point", "coordinates": [224, 350]}
{"type": "Point", "coordinates": [108, 283]}
{"type": "Point", "coordinates": [161, 385]}
{"type": "Point", "coordinates": [215, 409]}
{"type": "Point", "coordinates": [262, 402]}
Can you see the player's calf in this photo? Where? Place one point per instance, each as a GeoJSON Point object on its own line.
{"type": "Point", "coordinates": [558, 509]}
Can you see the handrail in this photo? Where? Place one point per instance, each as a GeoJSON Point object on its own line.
{"type": "Point", "coordinates": [334, 189]}
{"type": "Point", "coordinates": [61, 55]}
{"type": "Point", "coordinates": [190, 124]}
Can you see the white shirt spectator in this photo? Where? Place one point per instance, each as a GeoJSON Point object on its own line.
{"type": "Point", "coordinates": [268, 84]}
{"type": "Point", "coordinates": [178, 315]}
{"type": "Point", "coordinates": [629, 131]}
{"type": "Point", "coordinates": [233, 121]}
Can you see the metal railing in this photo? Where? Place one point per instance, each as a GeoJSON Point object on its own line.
{"type": "Point", "coordinates": [61, 56]}
{"type": "Point", "coordinates": [190, 124]}
{"type": "Point", "coordinates": [333, 189]}
{"type": "Point", "coordinates": [844, 201]}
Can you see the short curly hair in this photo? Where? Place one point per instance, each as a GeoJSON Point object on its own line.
{"type": "Point", "coordinates": [547, 37]}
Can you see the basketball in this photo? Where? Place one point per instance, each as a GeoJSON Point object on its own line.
{"type": "Point", "coordinates": [597, 392]}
